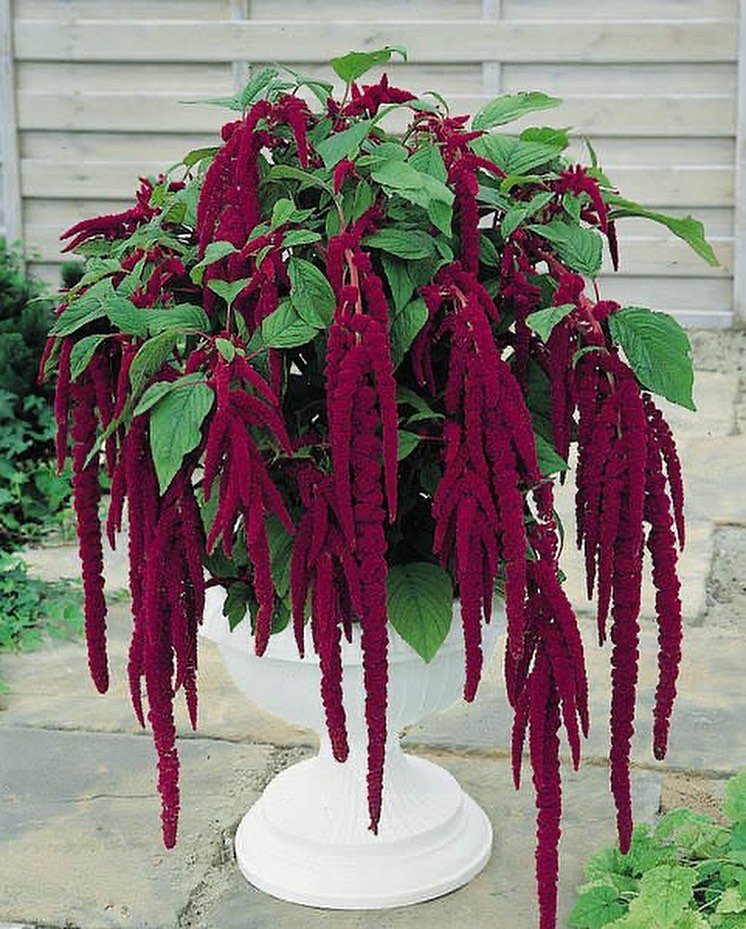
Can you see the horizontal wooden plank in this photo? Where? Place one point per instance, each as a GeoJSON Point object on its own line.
{"type": "Point", "coordinates": [685, 186]}
{"type": "Point", "coordinates": [670, 294]}
{"type": "Point", "coordinates": [643, 78]}
{"type": "Point", "coordinates": [428, 41]}
{"type": "Point", "coordinates": [125, 111]}
{"type": "Point", "coordinates": [612, 9]}
{"type": "Point", "coordinates": [132, 9]}
{"type": "Point", "coordinates": [326, 10]}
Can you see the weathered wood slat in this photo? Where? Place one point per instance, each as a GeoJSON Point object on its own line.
{"type": "Point", "coordinates": [698, 116]}
{"type": "Point", "coordinates": [468, 40]}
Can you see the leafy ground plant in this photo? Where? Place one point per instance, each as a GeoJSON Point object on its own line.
{"type": "Point", "coordinates": [34, 609]}
{"type": "Point", "coordinates": [33, 497]}
{"type": "Point", "coordinates": [688, 872]}
{"type": "Point", "coordinates": [340, 365]}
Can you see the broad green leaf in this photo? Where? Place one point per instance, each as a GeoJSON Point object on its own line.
{"type": "Point", "coordinates": [149, 359]}
{"type": "Point", "coordinates": [284, 328]}
{"type": "Point", "coordinates": [311, 293]}
{"type": "Point", "coordinates": [420, 605]}
{"type": "Point", "coordinates": [227, 349]}
{"type": "Point", "coordinates": [658, 351]}
{"type": "Point", "coordinates": [404, 243]}
{"type": "Point", "coordinates": [156, 392]}
{"type": "Point", "coordinates": [214, 252]}
{"type": "Point", "coordinates": [408, 441]}
{"type": "Point", "coordinates": [176, 428]}
{"type": "Point", "coordinates": [487, 251]}
{"type": "Point", "coordinates": [181, 316]}
{"type": "Point", "coordinates": [734, 804]}
{"type": "Point", "coordinates": [382, 153]}
{"type": "Point", "coordinates": [362, 200]}
{"type": "Point", "coordinates": [82, 310]}
{"type": "Point", "coordinates": [398, 174]}
{"type": "Point", "coordinates": [518, 213]}
{"type": "Point", "coordinates": [343, 144]}
{"type": "Point", "coordinates": [81, 354]}
{"type": "Point", "coordinates": [405, 395]}
{"type": "Point", "coordinates": [689, 229]}
{"type": "Point", "coordinates": [596, 907]}
{"type": "Point", "coordinates": [280, 548]}
{"type": "Point", "coordinates": [578, 247]}
{"type": "Point", "coordinates": [199, 154]}
{"type": "Point", "coordinates": [515, 156]}
{"type": "Point", "coordinates": [544, 321]}
{"type": "Point", "coordinates": [665, 892]}
{"type": "Point", "coordinates": [281, 212]}
{"type": "Point", "coordinates": [546, 135]}
{"type": "Point", "coordinates": [399, 279]}
{"type": "Point", "coordinates": [510, 107]}
{"type": "Point", "coordinates": [405, 326]}
{"type": "Point", "coordinates": [732, 901]}
{"type": "Point", "coordinates": [428, 160]}
{"type": "Point", "coordinates": [299, 237]}
{"type": "Point", "coordinates": [441, 215]}
{"type": "Point", "coordinates": [549, 461]}
{"type": "Point", "coordinates": [125, 316]}
{"type": "Point", "coordinates": [354, 64]}
{"type": "Point", "coordinates": [229, 290]}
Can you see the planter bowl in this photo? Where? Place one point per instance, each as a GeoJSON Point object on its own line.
{"type": "Point", "coordinates": [306, 839]}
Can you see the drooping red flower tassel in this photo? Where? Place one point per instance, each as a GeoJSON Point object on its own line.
{"type": "Point", "coordinates": [86, 497]}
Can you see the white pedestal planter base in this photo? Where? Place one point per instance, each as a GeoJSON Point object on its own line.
{"type": "Point", "coordinates": [306, 839]}
{"type": "Point", "coordinates": [300, 843]}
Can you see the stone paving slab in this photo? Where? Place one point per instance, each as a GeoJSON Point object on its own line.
{"type": "Point", "coordinates": [37, 682]}
{"type": "Point", "coordinates": [707, 731]}
{"type": "Point", "coordinates": [80, 822]}
{"type": "Point", "coordinates": [502, 895]}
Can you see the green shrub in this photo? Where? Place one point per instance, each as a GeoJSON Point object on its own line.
{"type": "Point", "coordinates": [33, 498]}
{"type": "Point", "coordinates": [688, 872]}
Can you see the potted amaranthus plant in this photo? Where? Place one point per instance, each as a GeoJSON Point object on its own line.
{"type": "Point", "coordinates": [324, 359]}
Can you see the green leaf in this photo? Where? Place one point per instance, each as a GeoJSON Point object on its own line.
{"type": "Point", "coordinates": [408, 441]}
{"type": "Point", "coordinates": [227, 349]}
{"type": "Point", "coordinates": [546, 135]}
{"type": "Point", "coordinates": [176, 428]}
{"type": "Point", "coordinates": [405, 395]}
{"type": "Point", "coordinates": [578, 247]}
{"type": "Point", "coordinates": [229, 290]}
{"type": "Point", "coordinates": [734, 804]}
{"type": "Point", "coordinates": [281, 212]}
{"type": "Point", "coordinates": [731, 902]}
{"type": "Point", "coordinates": [280, 548]}
{"type": "Point", "coordinates": [343, 144]}
{"type": "Point", "coordinates": [596, 907]}
{"type": "Point", "coordinates": [549, 461]}
{"type": "Point", "coordinates": [181, 316]}
{"type": "Point", "coordinates": [214, 252]}
{"type": "Point", "coordinates": [81, 354]}
{"type": "Point", "coordinates": [199, 154]}
{"type": "Point", "coordinates": [311, 293]}
{"type": "Point", "coordinates": [284, 328]}
{"type": "Point", "coordinates": [150, 358]}
{"type": "Point", "coordinates": [689, 229]}
{"type": "Point", "coordinates": [290, 172]}
{"type": "Point", "coordinates": [299, 237]}
{"type": "Point", "coordinates": [510, 107]}
{"type": "Point", "coordinates": [665, 892]}
{"type": "Point", "coordinates": [82, 310]}
{"type": "Point", "coordinates": [156, 392]}
{"type": "Point", "coordinates": [658, 351]}
{"type": "Point", "coordinates": [441, 216]}
{"type": "Point", "coordinates": [544, 321]}
{"type": "Point", "coordinates": [404, 243]}
{"type": "Point", "coordinates": [400, 281]}
{"type": "Point", "coordinates": [405, 327]}
{"type": "Point", "coordinates": [515, 156]}
{"type": "Point", "coordinates": [255, 87]}
{"type": "Point", "coordinates": [354, 64]}
{"type": "Point", "coordinates": [420, 605]}
{"type": "Point", "coordinates": [428, 160]}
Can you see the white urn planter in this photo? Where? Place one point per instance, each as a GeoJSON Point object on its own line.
{"type": "Point", "coordinates": [306, 839]}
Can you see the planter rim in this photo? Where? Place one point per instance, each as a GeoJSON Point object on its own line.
{"type": "Point", "coordinates": [282, 647]}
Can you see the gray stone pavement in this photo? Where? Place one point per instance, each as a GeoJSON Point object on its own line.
{"type": "Point", "coordinates": [79, 827]}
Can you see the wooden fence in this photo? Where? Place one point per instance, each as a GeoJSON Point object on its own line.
{"type": "Point", "coordinates": [92, 93]}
